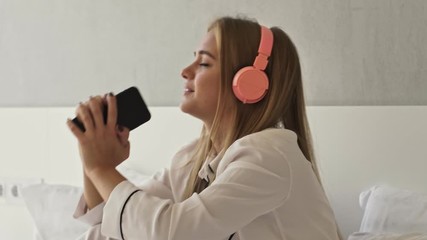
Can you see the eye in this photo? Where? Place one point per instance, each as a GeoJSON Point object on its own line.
{"type": "Point", "coordinates": [204, 64]}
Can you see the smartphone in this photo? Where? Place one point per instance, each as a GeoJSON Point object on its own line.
{"type": "Point", "coordinates": [132, 111]}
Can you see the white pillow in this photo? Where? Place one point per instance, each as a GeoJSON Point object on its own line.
{"type": "Point", "coordinates": [387, 236]}
{"type": "Point", "coordinates": [52, 208]}
{"type": "Point", "coordinates": [391, 210]}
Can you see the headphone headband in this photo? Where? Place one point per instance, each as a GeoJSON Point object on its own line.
{"type": "Point", "coordinates": [266, 43]}
{"type": "Point", "coordinates": [264, 50]}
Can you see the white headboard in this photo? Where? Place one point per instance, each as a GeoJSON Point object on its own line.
{"type": "Point", "coordinates": [356, 147]}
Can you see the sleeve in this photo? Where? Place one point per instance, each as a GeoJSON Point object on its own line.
{"type": "Point", "coordinates": [254, 182]}
{"type": "Point", "coordinates": [158, 185]}
{"type": "Point", "coordinates": [91, 217]}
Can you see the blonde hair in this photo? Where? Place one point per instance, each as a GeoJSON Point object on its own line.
{"type": "Point", "coordinates": [284, 105]}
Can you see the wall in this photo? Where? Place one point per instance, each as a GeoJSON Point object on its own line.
{"type": "Point", "coordinates": [353, 52]}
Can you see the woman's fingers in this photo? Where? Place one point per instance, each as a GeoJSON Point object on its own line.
{"type": "Point", "coordinates": [96, 107]}
{"type": "Point", "coordinates": [91, 115]}
{"type": "Point", "coordinates": [123, 135]}
{"type": "Point", "coordinates": [78, 133]}
{"type": "Point", "coordinates": [85, 116]}
{"type": "Point", "coordinates": [101, 145]}
{"type": "Point", "coordinates": [112, 111]}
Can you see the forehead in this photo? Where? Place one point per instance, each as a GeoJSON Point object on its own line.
{"type": "Point", "coordinates": [208, 43]}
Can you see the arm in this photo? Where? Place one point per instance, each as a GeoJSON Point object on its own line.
{"type": "Point", "coordinates": [105, 180]}
{"type": "Point", "coordinates": [101, 147]}
{"type": "Point", "coordinates": [90, 193]}
{"type": "Point", "coordinates": [248, 188]}
{"type": "Point", "coordinates": [110, 142]}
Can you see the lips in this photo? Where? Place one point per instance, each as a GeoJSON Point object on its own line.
{"type": "Point", "coordinates": [188, 89]}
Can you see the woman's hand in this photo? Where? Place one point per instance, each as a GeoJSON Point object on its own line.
{"type": "Point", "coordinates": [102, 146]}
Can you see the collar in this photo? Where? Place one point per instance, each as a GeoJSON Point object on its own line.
{"type": "Point", "coordinates": [208, 170]}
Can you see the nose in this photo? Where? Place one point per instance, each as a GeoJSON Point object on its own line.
{"type": "Point", "coordinates": [186, 73]}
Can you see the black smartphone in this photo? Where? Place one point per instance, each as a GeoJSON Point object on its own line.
{"type": "Point", "coordinates": [132, 111]}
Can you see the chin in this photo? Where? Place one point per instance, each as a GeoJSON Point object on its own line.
{"type": "Point", "coordinates": [186, 108]}
{"type": "Point", "coordinates": [182, 109]}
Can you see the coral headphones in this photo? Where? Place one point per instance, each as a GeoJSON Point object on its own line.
{"type": "Point", "coordinates": [250, 83]}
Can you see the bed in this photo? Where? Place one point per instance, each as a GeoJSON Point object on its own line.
{"type": "Point", "coordinates": [368, 156]}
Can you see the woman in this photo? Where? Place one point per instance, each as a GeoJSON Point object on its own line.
{"type": "Point", "coordinates": [250, 175]}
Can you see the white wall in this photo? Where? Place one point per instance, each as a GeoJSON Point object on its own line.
{"type": "Point", "coordinates": [354, 52]}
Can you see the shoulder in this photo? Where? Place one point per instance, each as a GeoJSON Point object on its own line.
{"type": "Point", "coordinates": [270, 149]}
{"type": "Point", "coordinates": [269, 137]}
{"type": "Point", "coordinates": [272, 141]}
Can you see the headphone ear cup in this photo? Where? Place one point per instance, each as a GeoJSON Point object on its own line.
{"type": "Point", "coordinates": [250, 85]}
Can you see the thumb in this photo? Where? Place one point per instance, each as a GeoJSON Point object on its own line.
{"type": "Point", "coordinates": [123, 135]}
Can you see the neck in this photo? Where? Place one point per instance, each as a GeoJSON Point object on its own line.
{"type": "Point", "coordinates": [220, 132]}
{"type": "Point", "coordinates": [219, 135]}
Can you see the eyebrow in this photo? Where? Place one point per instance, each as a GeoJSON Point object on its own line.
{"type": "Point", "coordinates": [206, 53]}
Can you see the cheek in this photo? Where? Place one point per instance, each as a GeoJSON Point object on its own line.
{"type": "Point", "coordinates": [208, 84]}
{"type": "Point", "coordinates": [208, 96]}
{"type": "Point", "coordinates": [213, 92]}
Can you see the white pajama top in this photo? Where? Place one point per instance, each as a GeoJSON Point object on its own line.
{"type": "Point", "coordinates": [264, 189]}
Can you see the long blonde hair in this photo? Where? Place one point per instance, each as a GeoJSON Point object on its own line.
{"type": "Point", "coordinates": [284, 105]}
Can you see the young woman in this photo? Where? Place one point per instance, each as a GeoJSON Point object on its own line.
{"type": "Point", "coordinates": [251, 175]}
